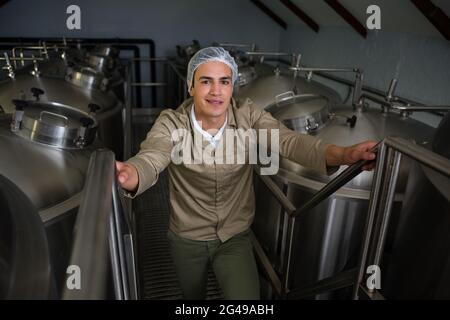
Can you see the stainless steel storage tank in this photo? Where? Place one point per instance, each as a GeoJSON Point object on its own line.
{"type": "Point", "coordinates": [327, 239]}
{"type": "Point", "coordinates": [48, 130]}
{"type": "Point", "coordinates": [64, 82]}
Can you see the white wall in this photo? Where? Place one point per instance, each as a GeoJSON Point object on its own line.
{"type": "Point", "coordinates": [167, 22]}
{"type": "Point", "coordinates": [421, 63]}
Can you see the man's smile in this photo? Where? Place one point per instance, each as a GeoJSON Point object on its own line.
{"type": "Point", "coordinates": [215, 102]}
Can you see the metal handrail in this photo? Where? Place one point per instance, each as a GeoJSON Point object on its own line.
{"type": "Point", "coordinates": [91, 229]}
{"type": "Point", "coordinates": [171, 73]}
{"type": "Point", "coordinates": [292, 213]}
{"type": "Point", "coordinates": [389, 152]}
{"type": "Point", "coordinates": [99, 236]}
{"type": "Point", "coordinates": [380, 206]}
{"type": "Point", "coordinates": [331, 187]}
{"type": "Point", "coordinates": [416, 152]}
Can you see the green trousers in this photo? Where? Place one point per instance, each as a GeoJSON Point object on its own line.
{"type": "Point", "coordinates": [233, 263]}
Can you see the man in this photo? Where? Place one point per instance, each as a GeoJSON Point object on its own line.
{"type": "Point", "coordinates": [212, 204]}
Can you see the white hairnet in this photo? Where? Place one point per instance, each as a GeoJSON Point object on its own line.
{"type": "Point", "coordinates": [211, 54]}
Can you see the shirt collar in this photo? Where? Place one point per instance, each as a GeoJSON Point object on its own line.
{"type": "Point", "coordinates": [212, 139]}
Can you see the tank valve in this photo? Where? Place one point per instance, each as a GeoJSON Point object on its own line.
{"type": "Point", "coordinates": [81, 141]}
{"type": "Point", "coordinates": [37, 93]}
{"type": "Point", "coordinates": [352, 121]}
{"type": "Point", "coordinates": [93, 107]}
{"type": "Point", "coordinates": [391, 90]}
{"type": "Point", "coordinates": [311, 125]}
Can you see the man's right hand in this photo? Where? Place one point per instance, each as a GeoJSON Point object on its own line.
{"type": "Point", "coordinates": [127, 175]}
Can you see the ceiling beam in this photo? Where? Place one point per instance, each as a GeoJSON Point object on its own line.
{"type": "Point", "coordinates": [301, 14]}
{"type": "Point", "coordinates": [270, 13]}
{"type": "Point", "coordinates": [435, 15]}
{"type": "Point", "coordinates": [348, 17]}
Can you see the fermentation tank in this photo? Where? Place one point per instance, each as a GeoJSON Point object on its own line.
{"type": "Point", "coordinates": [50, 124]}
{"type": "Point", "coordinates": [71, 82]}
{"type": "Point", "coordinates": [326, 239]}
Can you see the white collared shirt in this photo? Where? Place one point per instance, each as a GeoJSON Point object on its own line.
{"type": "Point", "coordinates": [214, 140]}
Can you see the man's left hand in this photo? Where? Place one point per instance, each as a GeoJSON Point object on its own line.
{"type": "Point", "coordinates": [360, 151]}
{"type": "Point", "coordinates": [336, 155]}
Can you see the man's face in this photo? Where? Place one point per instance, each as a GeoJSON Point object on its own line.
{"type": "Point", "coordinates": [212, 89]}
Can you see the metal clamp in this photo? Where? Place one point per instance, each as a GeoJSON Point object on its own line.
{"type": "Point", "coordinates": [311, 125]}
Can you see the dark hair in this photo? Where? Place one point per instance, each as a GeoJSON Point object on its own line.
{"type": "Point", "coordinates": [193, 78]}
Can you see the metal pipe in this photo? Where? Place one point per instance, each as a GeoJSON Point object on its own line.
{"type": "Point", "coordinates": [288, 258]}
{"type": "Point", "coordinates": [359, 77]}
{"type": "Point", "coordinates": [115, 259]}
{"type": "Point", "coordinates": [267, 266]}
{"type": "Point", "coordinates": [374, 199]}
{"type": "Point", "coordinates": [275, 54]}
{"type": "Point", "coordinates": [382, 102]}
{"type": "Point", "coordinates": [277, 193]}
{"type": "Point", "coordinates": [148, 84]}
{"type": "Point", "coordinates": [305, 69]}
{"type": "Point", "coordinates": [375, 91]}
{"type": "Point", "coordinates": [406, 108]}
{"type": "Point", "coordinates": [117, 215]}
{"type": "Point", "coordinates": [392, 86]}
{"type": "Point", "coordinates": [22, 59]}
{"type": "Point", "coordinates": [394, 164]}
{"type": "Point", "coordinates": [371, 90]}
{"type": "Point", "coordinates": [236, 45]}
{"type": "Point", "coordinates": [420, 108]}
{"type": "Point", "coordinates": [416, 152]}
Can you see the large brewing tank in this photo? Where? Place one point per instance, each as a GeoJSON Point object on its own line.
{"type": "Point", "coordinates": [326, 239]}
{"type": "Point", "coordinates": [45, 150]}
{"type": "Point", "coordinates": [63, 82]}
{"type": "Point", "coordinates": [45, 153]}
{"type": "Point", "coordinates": [48, 130]}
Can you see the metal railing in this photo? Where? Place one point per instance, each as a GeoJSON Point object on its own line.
{"type": "Point", "coordinates": [386, 172]}
{"type": "Point", "coordinates": [103, 240]}
{"type": "Point", "coordinates": [381, 201]}
{"type": "Point", "coordinates": [173, 83]}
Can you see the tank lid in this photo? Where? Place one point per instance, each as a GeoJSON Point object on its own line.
{"type": "Point", "coordinates": [53, 124]}
{"type": "Point", "coordinates": [306, 113]}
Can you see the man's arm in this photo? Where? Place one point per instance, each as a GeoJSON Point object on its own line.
{"type": "Point", "coordinates": [336, 155]}
{"type": "Point", "coordinates": [310, 151]}
{"type": "Point", "coordinates": [141, 172]}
